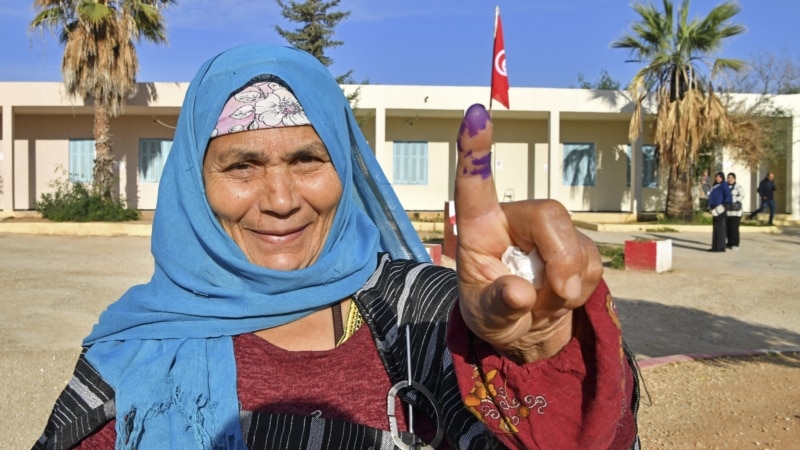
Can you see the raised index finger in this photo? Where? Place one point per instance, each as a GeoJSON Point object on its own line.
{"type": "Point", "coordinates": [475, 194]}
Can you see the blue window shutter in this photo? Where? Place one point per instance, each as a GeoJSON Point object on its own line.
{"type": "Point", "coordinates": [152, 156]}
{"type": "Point", "coordinates": [396, 161]}
{"type": "Point", "coordinates": [81, 160]}
{"type": "Point", "coordinates": [578, 161]}
{"type": "Point", "coordinates": [649, 166]}
{"type": "Point", "coordinates": [410, 162]}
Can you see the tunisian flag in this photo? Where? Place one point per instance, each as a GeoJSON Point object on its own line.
{"type": "Point", "coordinates": [499, 74]}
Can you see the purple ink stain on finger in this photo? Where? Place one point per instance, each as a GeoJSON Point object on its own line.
{"type": "Point", "coordinates": [482, 166]}
{"type": "Point", "coordinates": [475, 119]}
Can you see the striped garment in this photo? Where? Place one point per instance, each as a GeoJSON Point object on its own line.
{"type": "Point", "coordinates": [399, 294]}
{"type": "Point", "coordinates": [737, 193]}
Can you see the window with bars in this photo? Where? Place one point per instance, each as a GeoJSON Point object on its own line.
{"type": "Point", "coordinates": [410, 162]}
{"type": "Point", "coordinates": [81, 160]}
{"type": "Point", "coordinates": [152, 156]}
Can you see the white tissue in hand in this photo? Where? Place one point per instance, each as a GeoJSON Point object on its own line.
{"type": "Point", "coordinates": [530, 266]}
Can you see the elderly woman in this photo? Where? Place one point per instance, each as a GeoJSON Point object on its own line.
{"type": "Point", "coordinates": [718, 199]}
{"type": "Point", "coordinates": [734, 213]}
{"type": "Point", "coordinates": [293, 306]}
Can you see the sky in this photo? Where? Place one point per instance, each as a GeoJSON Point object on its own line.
{"type": "Point", "coordinates": [413, 42]}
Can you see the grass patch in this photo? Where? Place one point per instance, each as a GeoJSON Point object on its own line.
{"type": "Point", "coordinates": [425, 216]}
{"type": "Point", "coordinates": [615, 253]}
{"type": "Point", "coordinates": [661, 230]}
{"type": "Point", "coordinates": [753, 223]}
{"type": "Point", "coordinates": [698, 218]}
{"type": "Point", "coordinates": [431, 237]}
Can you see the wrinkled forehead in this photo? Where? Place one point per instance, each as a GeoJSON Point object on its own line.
{"type": "Point", "coordinates": [261, 86]}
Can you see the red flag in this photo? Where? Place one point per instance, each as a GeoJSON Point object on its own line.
{"type": "Point", "coordinates": [499, 74]}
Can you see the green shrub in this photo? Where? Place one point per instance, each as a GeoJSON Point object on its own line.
{"type": "Point", "coordinates": [73, 202]}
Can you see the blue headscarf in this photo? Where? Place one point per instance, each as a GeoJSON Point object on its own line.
{"type": "Point", "coordinates": [166, 346]}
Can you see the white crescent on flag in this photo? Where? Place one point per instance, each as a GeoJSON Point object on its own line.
{"type": "Point", "coordinates": [500, 63]}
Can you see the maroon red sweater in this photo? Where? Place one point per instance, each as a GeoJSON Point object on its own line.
{"type": "Point", "coordinates": [348, 382]}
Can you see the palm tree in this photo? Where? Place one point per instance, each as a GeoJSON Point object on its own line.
{"type": "Point", "coordinates": [689, 114]}
{"type": "Point", "coordinates": [99, 61]}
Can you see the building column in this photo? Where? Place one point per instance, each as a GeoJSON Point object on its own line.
{"type": "Point", "coordinates": [7, 160]}
{"type": "Point", "coordinates": [554, 143]}
{"type": "Point", "coordinates": [380, 135]}
{"type": "Point", "coordinates": [793, 183]}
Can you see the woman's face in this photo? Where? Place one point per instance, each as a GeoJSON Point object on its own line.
{"type": "Point", "coordinates": [717, 179]}
{"type": "Point", "coordinates": [275, 192]}
{"type": "Point", "coordinates": [731, 179]}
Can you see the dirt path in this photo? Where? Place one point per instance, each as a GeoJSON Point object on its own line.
{"type": "Point", "coordinates": [727, 403]}
{"type": "Point", "coordinates": [54, 288]}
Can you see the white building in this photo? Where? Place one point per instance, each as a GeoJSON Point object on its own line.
{"type": "Point", "coordinates": [566, 144]}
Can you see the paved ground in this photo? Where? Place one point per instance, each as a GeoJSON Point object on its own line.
{"type": "Point", "coordinates": [711, 303]}
{"type": "Point", "coordinates": [55, 286]}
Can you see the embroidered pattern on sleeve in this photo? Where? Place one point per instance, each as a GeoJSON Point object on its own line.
{"type": "Point", "coordinates": [492, 403]}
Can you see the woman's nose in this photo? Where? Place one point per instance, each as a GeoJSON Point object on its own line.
{"type": "Point", "coordinates": [279, 194]}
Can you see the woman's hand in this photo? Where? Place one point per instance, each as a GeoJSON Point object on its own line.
{"type": "Point", "coordinates": [521, 322]}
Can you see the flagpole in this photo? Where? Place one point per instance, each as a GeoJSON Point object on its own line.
{"type": "Point", "coordinates": [494, 36]}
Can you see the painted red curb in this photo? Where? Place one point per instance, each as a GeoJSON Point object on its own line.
{"type": "Point", "coordinates": [664, 360]}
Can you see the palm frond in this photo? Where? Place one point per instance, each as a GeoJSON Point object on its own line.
{"type": "Point", "coordinates": [48, 18]}
{"type": "Point", "coordinates": [95, 13]}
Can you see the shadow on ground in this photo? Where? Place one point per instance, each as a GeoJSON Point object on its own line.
{"type": "Point", "coordinates": [655, 330]}
{"type": "Point", "coordinates": [679, 242]}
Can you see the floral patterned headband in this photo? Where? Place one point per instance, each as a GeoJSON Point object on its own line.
{"type": "Point", "coordinates": [262, 103]}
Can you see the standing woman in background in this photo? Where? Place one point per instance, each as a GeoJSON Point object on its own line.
{"type": "Point", "coordinates": [734, 213]}
{"type": "Point", "coordinates": [718, 197]}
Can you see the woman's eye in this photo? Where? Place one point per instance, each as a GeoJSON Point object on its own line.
{"type": "Point", "coordinates": [309, 158]}
{"type": "Point", "coordinates": [239, 167]}
{"type": "Point", "coordinates": [308, 162]}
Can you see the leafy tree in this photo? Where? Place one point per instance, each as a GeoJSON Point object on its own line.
{"type": "Point", "coordinates": [767, 73]}
{"type": "Point", "coordinates": [99, 61]}
{"type": "Point", "coordinates": [689, 114]}
{"type": "Point", "coordinates": [604, 83]}
{"type": "Point", "coordinates": [315, 36]}
{"type": "Point", "coordinates": [762, 127]}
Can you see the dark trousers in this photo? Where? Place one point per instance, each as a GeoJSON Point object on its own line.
{"type": "Point", "coordinates": [732, 230]}
{"type": "Point", "coordinates": [765, 204]}
{"type": "Point", "coordinates": [718, 235]}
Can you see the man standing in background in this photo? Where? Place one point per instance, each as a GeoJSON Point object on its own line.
{"type": "Point", "coordinates": [766, 190]}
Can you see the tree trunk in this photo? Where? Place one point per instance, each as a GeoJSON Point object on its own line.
{"type": "Point", "coordinates": [103, 180]}
{"type": "Point", "coordinates": [679, 203]}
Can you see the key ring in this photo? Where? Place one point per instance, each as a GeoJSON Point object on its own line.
{"type": "Point", "coordinates": [390, 398]}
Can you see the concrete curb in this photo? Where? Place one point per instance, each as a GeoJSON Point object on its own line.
{"type": "Point", "coordinates": [77, 228]}
{"type": "Point", "coordinates": [143, 228]}
{"type": "Point", "coordinates": [654, 228]}
{"type": "Point", "coordinates": [672, 359]}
